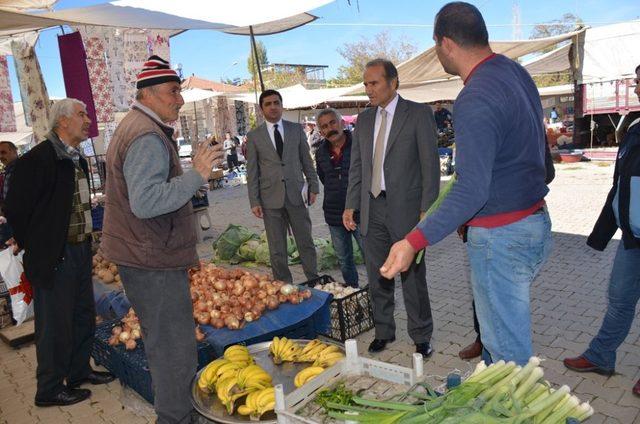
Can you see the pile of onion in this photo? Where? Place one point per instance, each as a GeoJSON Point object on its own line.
{"type": "Point", "coordinates": [128, 332]}
{"type": "Point", "coordinates": [232, 297]}
{"type": "Point", "coordinates": [105, 270]}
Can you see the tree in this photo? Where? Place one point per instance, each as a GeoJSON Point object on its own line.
{"type": "Point", "coordinates": [262, 57]}
{"type": "Point", "coordinates": [358, 53]}
{"type": "Point", "coordinates": [567, 23]}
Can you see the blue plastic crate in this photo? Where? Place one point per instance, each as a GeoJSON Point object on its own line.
{"type": "Point", "coordinates": [97, 216]}
{"type": "Point", "coordinates": [130, 366]}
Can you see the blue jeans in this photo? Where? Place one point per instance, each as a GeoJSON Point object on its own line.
{"type": "Point", "coordinates": [624, 292]}
{"type": "Point", "coordinates": [341, 239]}
{"type": "Point", "coordinates": [504, 261]}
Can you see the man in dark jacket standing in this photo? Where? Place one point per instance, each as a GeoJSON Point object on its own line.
{"type": "Point", "coordinates": [49, 209]}
{"type": "Point", "coordinates": [333, 158]}
{"type": "Point", "coordinates": [621, 210]}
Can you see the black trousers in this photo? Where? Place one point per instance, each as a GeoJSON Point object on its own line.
{"type": "Point", "coordinates": [232, 161]}
{"type": "Point", "coordinates": [65, 322]}
{"type": "Point", "coordinates": [377, 244]}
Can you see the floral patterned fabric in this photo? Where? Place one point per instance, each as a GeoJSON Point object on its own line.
{"type": "Point", "coordinates": [124, 51]}
{"type": "Point", "coordinates": [35, 99]}
{"type": "Point", "coordinates": [7, 116]}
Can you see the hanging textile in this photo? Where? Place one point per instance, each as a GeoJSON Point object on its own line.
{"type": "Point", "coordinates": [35, 99]}
{"type": "Point", "coordinates": [101, 85]}
{"type": "Point", "coordinates": [7, 115]}
{"type": "Point", "coordinates": [76, 75]}
{"type": "Point", "coordinates": [125, 51]}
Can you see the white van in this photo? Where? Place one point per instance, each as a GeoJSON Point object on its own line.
{"type": "Point", "coordinates": [184, 147]}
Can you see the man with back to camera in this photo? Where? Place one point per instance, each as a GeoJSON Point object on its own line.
{"type": "Point", "coordinates": [500, 187]}
{"type": "Point", "coordinates": [278, 165]}
{"type": "Point", "coordinates": [394, 178]}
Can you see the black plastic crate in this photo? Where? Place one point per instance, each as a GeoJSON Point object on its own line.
{"type": "Point", "coordinates": [351, 315]}
{"type": "Point", "coordinates": [130, 366]}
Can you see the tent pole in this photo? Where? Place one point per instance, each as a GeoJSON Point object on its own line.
{"type": "Point", "coordinates": [255, 57]}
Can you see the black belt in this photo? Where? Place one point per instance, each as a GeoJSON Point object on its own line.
{"type": "Point", "coordinates": [383, 194]}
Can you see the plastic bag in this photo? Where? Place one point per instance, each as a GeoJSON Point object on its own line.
{"type": "Point", "coordinates": [19, 287]}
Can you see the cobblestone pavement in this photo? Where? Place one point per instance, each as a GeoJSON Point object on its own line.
{"type": "Point", "coordinates": [568, 303]}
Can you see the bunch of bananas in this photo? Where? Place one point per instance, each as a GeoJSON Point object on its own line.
{"type": "Point", "coordinates": [321, 354]}
{"type": "Point", "coordinates": [306, 374]}
{"type": "Point", "coordinates": [284, 349]}
{"type": "Point", "coordinates": [258, 402]}
{"type": "Point", "coordinates": [233, 376]}
{"type": "Point", "coordinates": [239, 354]}
{"type": "Point", "coordinates": [253, 377]}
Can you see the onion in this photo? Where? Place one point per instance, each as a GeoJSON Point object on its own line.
{"type": "Point", "coordinates": [220, 285]}
{"type": "Point", "coordinates": [282, 298]}
{"type": "Point", "coordinates": [238, 289]}
{"type": "Point", "coordinates": [229, 284]}
{"type": "Point", "coordinates": [238, 312]}
{"type": "Point", "coordinates": [135, 334]}
{"type": "Point", "coordinates": [293, 298]}
{"type": "Point", "coordinates": [201, 306]}
{"type": "Point", "coordinates": [288, 289]}
{"type": "Point", "coordinates": [306, 294]}
{"type": "Point", "coordinates": [215, 314]}
{"type": "Point", "coordinates": [232, 323]}
{"type": "Point", "coordinates": [199, 335]}
{"type": "Point", "coordinates": [271, 290]}
{"type": "Point", "coordinates": [113, 340]}
{"type": "Point", "coordinates": [130, 344]}
{"type": "Point", "coordinates": [215, 296]}
{"type": "Point", "coordinates": [250, 283]}
{"type": "Point", "coordinates": [203, 318]}
{"type": "Point", "coordinates": [225, 309]}
{"type": "Point", "coordinates": [124, 336]}
{"type": "Point", "coordinates": [260, 306]}
{"type": "Point", "coordinates": [272, 302]}
{"type": "Point", "coordinates": [116, 330]}
{"type": "Point", "coordinates": [217, 323]}
{"type": "Point", "coordinates": [248, 316]}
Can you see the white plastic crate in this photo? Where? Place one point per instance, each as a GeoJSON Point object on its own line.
{"type": "Point", "coordinates": [286, 406]}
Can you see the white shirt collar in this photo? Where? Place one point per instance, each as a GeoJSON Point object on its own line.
{"type": "Point", "coordinates": [391, 107]}
{"type": "Point", "coordinates": [270, 125]}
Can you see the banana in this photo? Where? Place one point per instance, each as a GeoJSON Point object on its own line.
{"type": "Point", "coordinates": [312, 353]}
{"type": "Point", "coordinates": [238, 353]}
{"type": "Point", "coordinates": [244, 410]}
{"type": "Point", "coordinates": [328, 360]}
{"type": "Point", "coordinates": [253, 377]}
{"type": "Point", "coordinates": [329, 349]}
{"type": "Point", "coordinates": [230, 366]}
{"type": "Point", "coordinates": [208, 376]}
{"type": "Point", "coordinates": [313, 343]}
{"type": "Point", "coordinates": [306, 374]}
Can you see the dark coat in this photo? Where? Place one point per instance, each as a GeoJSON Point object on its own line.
{"type": "Point", "coordinates": [38, 208]}
{"type": "Point", "coordinates": [335, 179]}
{"type": "Point", "coordinates": [627, 166]}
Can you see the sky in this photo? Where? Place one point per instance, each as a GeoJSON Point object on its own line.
{"type": "Point", "coordinates": [339, 23]}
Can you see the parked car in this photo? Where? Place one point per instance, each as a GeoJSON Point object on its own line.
{"type": "Point", "coordinates": [184, 146]}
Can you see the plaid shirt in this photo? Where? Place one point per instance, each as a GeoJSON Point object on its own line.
{"type": "Point", "coordinates": [80, 223]}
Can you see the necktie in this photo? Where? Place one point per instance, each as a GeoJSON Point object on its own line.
{"type": "Point", "coordinates": [278, 138]}
{"type": "Point", "coordinates": [378, 156]}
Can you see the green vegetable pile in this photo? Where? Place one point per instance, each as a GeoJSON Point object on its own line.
{"type": "Point", "coordinates": [501, 393]}
{"type": "Point", "coordinates": [239, 245]}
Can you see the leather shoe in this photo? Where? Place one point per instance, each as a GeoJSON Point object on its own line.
{"type": "Point", "coordinates": [94, 377]}
{"type": "Point", "coordinates": [378, 345]}
{"type": "Point", "coordinates": [424, 349]}
{"type": "Point", "coordinates": [636, 389]}
{"type": "Point", "coordinates": [472, 351]}
{"type": "Point", "coordinates": [65, 397]}
{"type": "Point", "coordinates": [582, 364]}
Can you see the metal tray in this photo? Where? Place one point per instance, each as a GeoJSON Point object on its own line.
{"type": "Point", "coordinates": [210, 407]}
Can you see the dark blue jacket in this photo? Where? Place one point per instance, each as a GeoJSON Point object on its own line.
{"type": "Point", "coordinates": [500, 148]}
{"type": "Point", "coordinates": [625, 192]}
{"type": "Point", "coordinates": [335, 179]}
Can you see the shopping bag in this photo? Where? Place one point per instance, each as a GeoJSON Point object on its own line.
{"type": "Point", "coordinates": [19, 287]}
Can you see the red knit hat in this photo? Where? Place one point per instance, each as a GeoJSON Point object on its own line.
{"type": "Point", "coordinates": [156, 71]}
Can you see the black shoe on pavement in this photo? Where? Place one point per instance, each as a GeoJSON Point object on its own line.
{"type": "Point", "coordinates": [378, 345]}
{"type": "Point", "coordinates": [424, 349]}
{"type": "Point", "coordinates": [95, 378]}
{"type": "Point", "coordinates": [65, 397]}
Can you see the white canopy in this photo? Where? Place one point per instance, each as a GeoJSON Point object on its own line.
{"type": "Point", "coordinates": [27, 4]}
{"type": "Point", "coordinates": [425, 67]}
{"type": "Point", "coordinates": [298, 97]}
{"type": "Point", "coordinates": [233, 17]}
{"type": "Point", "coordinates": [197, 94]}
